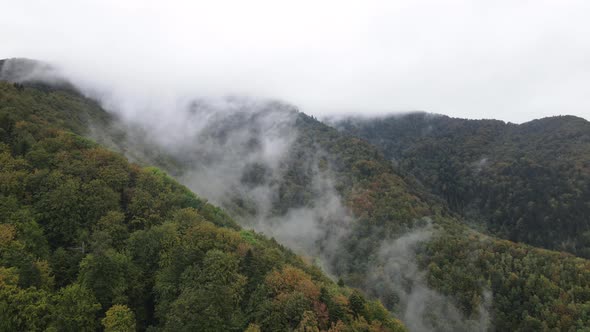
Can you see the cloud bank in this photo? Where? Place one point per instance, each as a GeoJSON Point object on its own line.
{"type": "Point", "coordinates": [509, 60]}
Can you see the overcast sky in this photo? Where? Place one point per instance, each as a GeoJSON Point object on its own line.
{"type": "Point", "coordinates": [513, 60]}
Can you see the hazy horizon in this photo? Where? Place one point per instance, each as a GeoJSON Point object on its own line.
{"type": "Point", "coordinates": [506, 61]}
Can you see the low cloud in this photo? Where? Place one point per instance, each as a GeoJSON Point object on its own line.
{"type": "Point", "coordinates": [500, 59]}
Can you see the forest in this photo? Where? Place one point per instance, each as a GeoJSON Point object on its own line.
{"type": "Point", "coordinates": [92, 242]}
{"type": "Point", "coordinates": [527, 183]}
{"type": "Point", "coordinates": [134, 249]}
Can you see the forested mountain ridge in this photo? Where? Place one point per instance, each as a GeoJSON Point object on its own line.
{"type": "Point", "coordinates": [526, 285]}
{"type": "Point", "coordinates": [89, 241]}
{"type": "Point", "coordinates": [528, 183]}
{"type": "Point", "coordinates": [389, 236]}
{"type": "Point", "coordinates": [460, 263]}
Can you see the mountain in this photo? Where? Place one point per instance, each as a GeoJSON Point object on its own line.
{"type": "Point", "coordinates": [90, 241]}
{"type": "Point", "coordinates": [526, 183]}
{"type": "Point", "coordinates": [463, 269]}
{"type": "Point", "coordinates": [332, 197]}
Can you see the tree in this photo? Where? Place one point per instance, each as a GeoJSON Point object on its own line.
{"type": "Point", "coordinates": [119, 318]}
{"type": "Point", "coordinates": [308, 323]}
{"type": "Point", "coordinates": [357, 304]}
{"type": "Point", "coordinates": [60, 204]}
{"type": "Point", "coordinates": [22, 309]}
{"type": "Point", "coordinates": [108, 275]}
{"type": "Point", "coordinates": [112, 224]}
{"type": "Point", "coordinates": [210, 296]}
{"type": "Point", "coordinates": [252, 328]}
{"type": "Point", "coordinates": [75, 309]}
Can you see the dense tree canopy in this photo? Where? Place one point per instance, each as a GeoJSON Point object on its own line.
{"type": "Point", "coordinates": [132, 242]}
{"type": "Point", "coordinates": [528, 183]}
{"type": "Point", "coordinates": [529, 287]}
{"type": "Point", "coordinates": [90, 241]}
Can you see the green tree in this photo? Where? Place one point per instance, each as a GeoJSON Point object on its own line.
{"type": "Point", "coordinates": [210, 296]}
{"type": "Point", "coordinates": [357, 304]}
{"type": "Point", "coordinates": [75, 309]}
{"type": "Point", "coordinates": [119, 318]}
{"type": "Point", "coordinates": [23, 309]}
{"type": "Point", "coordinates": [108, 275]}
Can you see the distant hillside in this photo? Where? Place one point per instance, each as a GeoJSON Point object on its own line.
{"type": "Point", "coordinates": [34, 73]}
{"type": "Point", "coordinates": [460, 263]}
{"type": "Point", "coordinates": [527, 183]}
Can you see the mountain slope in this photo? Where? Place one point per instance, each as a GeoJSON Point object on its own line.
{"type": "Point", "coordinates": [86, 235]}
{"type": "Point", "coordinates": [337, 198]}
{"type": "Point", "coordinates": [390, 237]}
{"type": "Point", "coordinates": [461, 264]}
{"type": "Point", "coordinates": [528, 183]}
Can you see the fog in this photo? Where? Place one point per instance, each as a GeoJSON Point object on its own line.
{"type": "Point", "coordinates": [216, 87]}
{"type": "Point", "coordinates": [421, 307]}
{"type": "Point", "coordinates": [248, 156]}
{"type": "Point", "coordinates": [509, 60]}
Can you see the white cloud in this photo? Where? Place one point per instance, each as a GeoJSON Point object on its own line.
{"type": "Point", "coordinates": [513, 60]}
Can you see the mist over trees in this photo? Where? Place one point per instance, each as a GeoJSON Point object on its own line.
{"type": "Point", "coordinates": [142, 248]}
{"type": "Point", "coordinates": [526, 183]}
{"type": "Point", "coordinates": [91, 242]}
